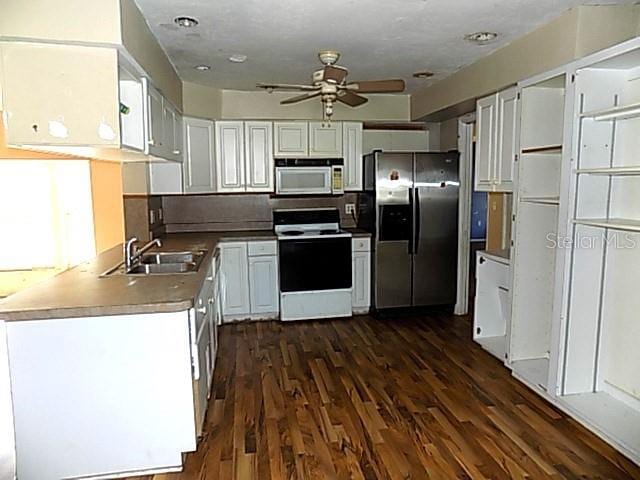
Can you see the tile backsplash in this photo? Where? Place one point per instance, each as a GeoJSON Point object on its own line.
{"type": "Point", "coordinates": [198, 213]}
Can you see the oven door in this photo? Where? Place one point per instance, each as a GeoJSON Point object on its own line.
{"type": "Point", "coordinates": [315, 264]}
{"type": "Point", "coordinates": [303, 181]}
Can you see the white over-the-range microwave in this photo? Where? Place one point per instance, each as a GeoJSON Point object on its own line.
{"type": "Point", "coordinates": [309, 176]}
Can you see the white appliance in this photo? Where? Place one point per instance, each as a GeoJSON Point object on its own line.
{"type": "Point", "coordinates": [309, 176]}
{"type": "Point", "coordinates": [315, 264]}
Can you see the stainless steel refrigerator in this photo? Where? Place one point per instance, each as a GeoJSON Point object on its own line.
{"type": "Point", "coordinates": [410, 203]}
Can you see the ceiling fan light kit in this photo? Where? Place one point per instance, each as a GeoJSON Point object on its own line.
{"type": "Point", "coordinates": [330, 84]}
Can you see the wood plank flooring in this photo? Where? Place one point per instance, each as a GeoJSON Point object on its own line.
{"type": "Point", "coordinates": [407, 398]}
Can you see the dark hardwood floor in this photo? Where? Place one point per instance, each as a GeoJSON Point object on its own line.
{"type": "Point", "coordinates": [394, 399]}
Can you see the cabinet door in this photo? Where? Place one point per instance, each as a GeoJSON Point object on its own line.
{"type": "Point", "coordinates": [178, 137]}
{"type": "Point", "coordinates": [263, 284]}
{"type": "Point", "coordinates": [165, 178]}
{"type": "Point", "coordinates": [199, 158]}
{"type": "Point", "coordinates": [361, 279]}
{"type": "Point", "coordinates": [235, 277]}
{"type": "Point", "coordinates": [230, 174]}
{"type": "Point", "coordinates": [259, 156]}
{"type": "Point", "coordinates": [507, 139]}
{"type": "Point", "coordinates": [486, 115]}
{"type": "Point", "coordinates": [168, 130]}
{"type": "Point", "coordinates": [156, 122]}
{"type": "Point", "coordinates": [59, 94]}
{"type": "Point", "coordinates": [325, 139]}
{"type": "Point", "coordinates": [352, 153]}
{"type": "Point", "coordinates": [291, 139]}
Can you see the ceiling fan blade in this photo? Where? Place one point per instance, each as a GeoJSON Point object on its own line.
{"type": "Point", "coordinates": [287, 86]}
{"type": "Point", "coordinates": [335, 73]}
{"type": "Point", "coordinates": [377, 86]}
{"type": "Point", "coordinates": [300, 98]}
{"type": "Point", "coordinates": [350, 98]}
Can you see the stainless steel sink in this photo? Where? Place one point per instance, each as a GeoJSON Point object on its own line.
{"type": "Point", "coordinates": [161, 263]}
{"type": "Point", "coordinates": [172, 257]}
{"type": "Point", "coordinates": [157, 268]}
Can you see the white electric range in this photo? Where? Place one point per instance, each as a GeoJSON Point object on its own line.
{"type": "Point", "coordinates": [315, 264]}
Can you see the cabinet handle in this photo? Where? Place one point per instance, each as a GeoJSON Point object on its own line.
{"type": "Point", "coordinates": [210, 278]}
{"type": "Point", "coordinates": [151, 142]}
{"type": "Point", "coordinates": [176, 152]}
{"type": "Point", "coordinates": [202, 310]}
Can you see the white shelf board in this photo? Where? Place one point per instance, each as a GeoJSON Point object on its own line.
{"type": "Point", "coordinates": [533, 372]}
{"type": "Point", "coordinates": [496, 346]}
{"type": "Point", "coordinates": [541, 200]}
{"type": "Point", "coordinates": [613, 223]}
{"type": "Point", "coordinates": [632, 170]}
{"type": "Point", "coordinates": [620, 112]}
{"type": "Point", "coordinates": [611, 419]}
{"type": "Point", "coordinates": [545, 149]}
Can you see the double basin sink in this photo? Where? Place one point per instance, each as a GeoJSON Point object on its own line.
{"type": "Point", "coordinates": [159, 263]}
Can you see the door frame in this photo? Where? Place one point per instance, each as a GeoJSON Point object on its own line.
{"type": "Point", "coordinates": [466, 125]}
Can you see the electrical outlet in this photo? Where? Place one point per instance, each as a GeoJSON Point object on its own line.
{"type": "Point", "coordinates": [152, 217]}
{"type": "Point", "coordinates": [160, 215]}
{"type": "Point", "coordinates": [350, 208]}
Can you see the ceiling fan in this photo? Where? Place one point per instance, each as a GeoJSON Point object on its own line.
{"type": "Point", "coordinates": [330, 84]}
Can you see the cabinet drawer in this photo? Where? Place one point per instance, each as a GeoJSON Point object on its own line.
{"type": "Point", "coordinates": [262, 248]}
{"type": "Point", "coordinates": [361, 244]}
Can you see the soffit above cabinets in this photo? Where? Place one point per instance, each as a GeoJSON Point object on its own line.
{"type": "Point", "coordinates": [388, 39]}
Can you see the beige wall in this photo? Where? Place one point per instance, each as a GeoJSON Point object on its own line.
{"type": "Point", "coordinates": [244, 104]}
{"type": "Point", "coordinates": [143, 46]}
{"type": "Point", "coordinates": [579, 31]}
{"type": "Point", "coordinates": [201, 101]}
{"type": "Point", "coordinates": [71, 20]}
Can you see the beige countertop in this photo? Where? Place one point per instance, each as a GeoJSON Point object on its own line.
{"type": "Point", "coordinates": [81, 292]}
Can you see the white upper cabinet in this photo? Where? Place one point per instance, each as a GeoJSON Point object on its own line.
{"type": "Point", "coordinates": [230, 157]}
{"type": "Point", "coordinates": [291, 139]}
{"type": "Point", "coordinates": [325, 139]}
{"type": "Point", "coordinates": [165, 178]}
{"type": "Point", "coordinates": [259, 172]}
{"type": "Point", "coordinates": [199, 157]}
{"type": "Point", "coordinates": [497, 122]}
{"type": "Point", "coordinates": [486, 115]}
{"type": "Point", "coordinates": [155, 120]}
{"type": "Point", "coordinates": [60, 95]}
{"type": "Point", "coordinates": [352, 153]}
{"type": "Point", "coordinates": [507, 138]}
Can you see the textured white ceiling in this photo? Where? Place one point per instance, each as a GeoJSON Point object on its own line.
{"type": "Point", "coordinates": [377, 38]}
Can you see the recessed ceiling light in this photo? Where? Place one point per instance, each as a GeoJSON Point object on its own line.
{"type": "Point", "coordinates": [423, 74]}
{"type": "Point", "coordinates": [202, 68]}
{"type": "Point", "coordinates": [481, 38]}
{"type": "Point", "coordinates": [238, 58]}
{"type": "Point", "coordinates": [186, 22]}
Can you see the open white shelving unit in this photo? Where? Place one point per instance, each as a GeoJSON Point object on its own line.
{"type": "Point", "coordinates": [600, 368]}
{"type": "Point", "coordinates": [535, 227]}
{"type": "Point", "coordinates": [492, 303]}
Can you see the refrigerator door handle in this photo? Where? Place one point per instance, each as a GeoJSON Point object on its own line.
{"type": "Point", "coordinates": [411, 232]}
{"type": "Point", "coordinates": [416, 227]}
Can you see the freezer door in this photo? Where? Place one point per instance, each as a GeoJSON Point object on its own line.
{"type": "Point", "coordinates": [394, 238]}
{"type": "Point", "coordinates": [436, 229]}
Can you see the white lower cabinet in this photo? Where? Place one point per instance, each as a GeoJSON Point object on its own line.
{"type": "Point", "coordinates": [250, 280]}
{"type": "Point", "coordinates": [263, 276]}
{"type": "Point", "coordinates": [235, 277]}
{"type": "Point", "coordinates": [492, 304]}
{"type": "Point", "coordinates": [361, 275]}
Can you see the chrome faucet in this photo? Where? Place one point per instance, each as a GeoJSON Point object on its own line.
{"type": "Point", "coordinates": [133, 254]}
